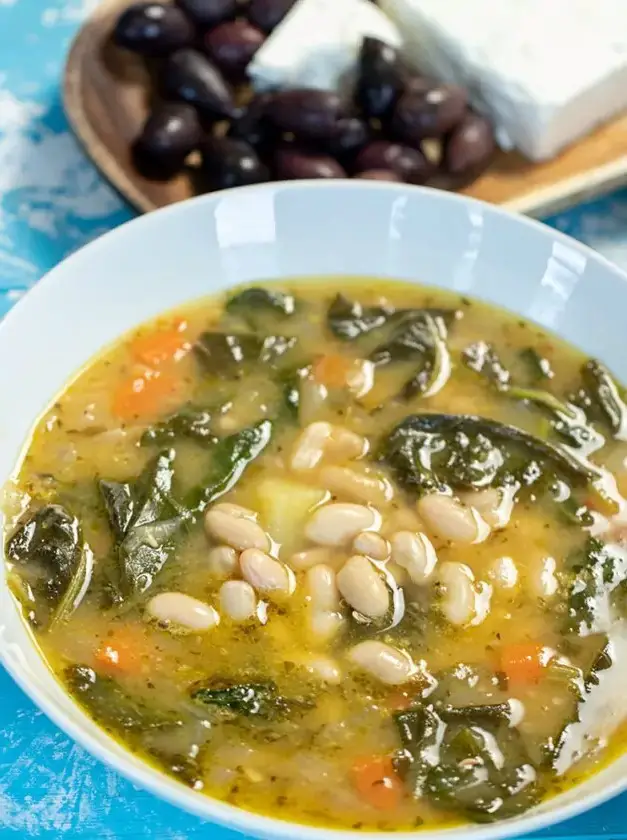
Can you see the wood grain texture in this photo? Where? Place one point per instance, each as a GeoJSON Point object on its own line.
{"type": "Point", "coordinates": [106, 94]}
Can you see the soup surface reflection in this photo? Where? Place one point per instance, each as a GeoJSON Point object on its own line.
{"type": "Point", "coordinates": [350, 559]}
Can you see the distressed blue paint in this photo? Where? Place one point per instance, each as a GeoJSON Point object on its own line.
{"type": "Point", "coordinates": [51, 202]}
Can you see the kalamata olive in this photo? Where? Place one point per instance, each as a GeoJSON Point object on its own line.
{"type": "Point", "coordinates": [206, 13]}
{"type": "Point", "coordinates": [267, 14]}
{"type": "Point", "coordinates": [309, 114]}
{"type": "Point", "coordinates": [170, 133]}
{"type": "Point", "coordinates": [379, 79]}
{"type": "Point", "coordinates": [349, 136]}
{"type": "Point", "coordinates": [409, 164]}
{"type": "Point", "coordinates": [470, 145]}
{"type": "Point", "coordinates": [254, 126]}
{"type": "Point", "coordinates": [432, 113]}
{"type": "Point", "coordinates": [231, 45]}
{"type": "Point", "coordinates": [190, 77]}
{"type": "Point", "coordinates": [227, 162]}
{"type": "Point", "coordinates": [153, 29]}
{"type": "Point", "coordinates": [379, 175]}
{"type": "Point", "coordinates": [293, 164]}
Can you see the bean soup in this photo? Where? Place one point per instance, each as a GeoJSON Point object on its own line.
{"type": "Point", "coordinates": [350, 559]}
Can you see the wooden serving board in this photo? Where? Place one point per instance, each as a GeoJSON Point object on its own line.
{"type": "Point", "coordinates": [106, 93]}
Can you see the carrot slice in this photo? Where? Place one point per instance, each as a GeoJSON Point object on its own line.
{"type": "Point", "coordinates": [144, 396]}
{"type": "Point", "coordinates": [398, 701]}
{"type": "Point", "coordinates": [377, 782]}
{"type": "Point", "coordinates": [523, 663]}
{"type": "Point", "coordinates": [332, 371]}
{"type": "Point", "coordinates": [122, 651]}
{"type": "Point", "coordinates": [156, 348]}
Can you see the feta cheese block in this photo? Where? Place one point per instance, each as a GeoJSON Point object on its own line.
{"type": "Point", "coordinates": [317, 45]}
{"type": "Point", "coordinates": [545, 72]}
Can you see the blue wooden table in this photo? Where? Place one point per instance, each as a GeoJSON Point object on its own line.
{"type": "Point", "coordinates": [51, 202]}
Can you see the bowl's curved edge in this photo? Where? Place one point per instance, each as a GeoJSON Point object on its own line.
{"type": "Point", "coordinates": [156, 782]}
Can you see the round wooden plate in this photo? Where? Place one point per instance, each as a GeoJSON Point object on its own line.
{"type": "Point", "coordinates": [106, 94]}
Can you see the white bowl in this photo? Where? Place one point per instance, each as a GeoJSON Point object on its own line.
{"type": "Point", "coordinates": [273, 231]}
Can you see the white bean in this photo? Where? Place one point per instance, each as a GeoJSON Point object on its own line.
{"type": "Point", "coordinates": [363, 588]}
{"type": "Point", "coordinates": [238, 600]}
{"type": "Point", "coordinates": [322, 588]}
{"type": "Point", "coordinates": [234, 530]}
{"type": "Point", "coordinates": [321, 439]}
{"type": "Point", "coordinates": [324, 668]}
{"type": "Point", "coordinates": [304, 560]}
{"type": "Point", "coordinates": [372, 545]}
{"type": "Point", "coordinates": [237, 511]}
{"type": "Point", "coordinates": [182, 611]}
{"type": "Point", "coordinates": [494, 505]}
{"type": "Point", "coordinates": [458, 594]}
{"type": "Point", "coordinates": [345, 444]}
{"type": "Point", "coordinates": [324, 625]}
{"type": "Point", "coordinates": [414, 552]}
{"type": "Point", "coordinates": [402, 519]}
{"type": "Point", "coordinates": [452, 521]}
{"type": "Point", "coordinates": [222, 561]}
{"type": "Point", "coordinates": [399, 574]}
{"type": "Point", "coordinates": [342, 481]}
{"type": "Point", "coordinates": [265, 573]}
{"type": "Point", "coordinates": [310, 446]}
{"type": "Point", "coordinates": [503, 573]}
{"type": "Point", "coordinates": [384, 662]}
{"type": "Point", "coordinates": [339, 523]}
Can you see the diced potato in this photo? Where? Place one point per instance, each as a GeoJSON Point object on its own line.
{"type": "Point", "coordinates": [284, 506]}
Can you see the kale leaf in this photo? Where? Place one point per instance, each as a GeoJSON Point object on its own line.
{"type": "Point", "coordinates": [51, 556]}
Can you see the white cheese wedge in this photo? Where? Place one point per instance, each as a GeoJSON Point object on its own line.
{"type": "Point", "coordinates": [546, 72]}
{"type": "Point", "coordinates": [317, 44]}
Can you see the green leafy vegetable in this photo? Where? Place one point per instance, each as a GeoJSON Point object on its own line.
{"type": "Point", "coordinates": [145, 520]}
{"type": "Point", "coordinates": [430, 452]}
{"type": "Point", "coordinates": [255, 699]}
{"type": "Point", "coordinates": [481, 771]}
{"type": "Point", "coordinates": [413, 339]}
{"type": "Point", "coordinates": [229, 458]}
{"type": "Point", "coordinates": [538, 367]}
{"type": "Point", "coordinates": [605, 396]}
{"type": "Point", "coordinates": [592, 575]}
{"type": "Point", "coordinates": [111, 706]}
{"type": "Point", "coordinates": [76, 588]}
{"type": "Point", "coordinates": [256, 305]}
{"type": "Point", "coordinates": [436, 366]}
{"type": "Point", "coordinates": [191, 423]}
{"type": "Point", "coordinates": [475, 714]}
{"type": "Point", "coordinates": [230, 356]}
{"type": "Point", "coordinates": [482, 358]}
{"type": "Point", "coordinates": [289, 382]}
{"type": "Point", "coordinates": [53, 560]}
{"type": "Point", "coordinates": [348, 320]}
{"type": "Point", "coordinates": [566, 419]}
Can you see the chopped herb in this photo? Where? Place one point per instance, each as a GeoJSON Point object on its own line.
{"type": "Point", "coordinates": [255, 699]}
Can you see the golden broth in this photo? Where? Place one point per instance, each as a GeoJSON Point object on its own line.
{"type": "Point", "coordinates": [469, 664]}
